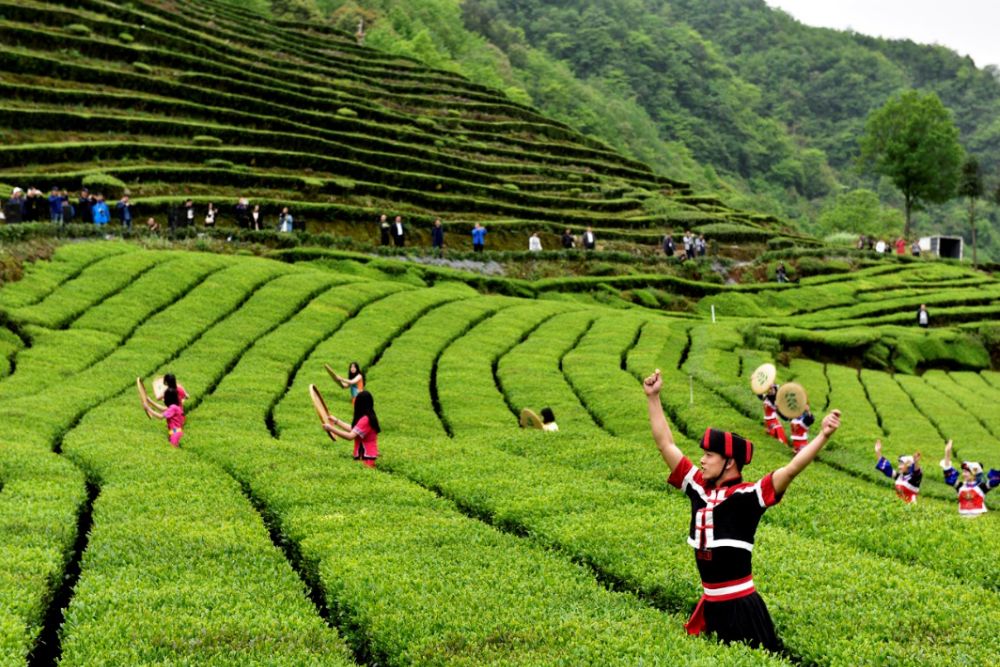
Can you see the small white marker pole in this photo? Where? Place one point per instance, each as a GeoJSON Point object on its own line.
{"type": "Point", "coordinates": [691, 386]}
{"type": "Point", "coordinates": [713, 313]}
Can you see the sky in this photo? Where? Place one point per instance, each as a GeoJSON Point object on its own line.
{"type": "Point", "coordinates": [969, 27]}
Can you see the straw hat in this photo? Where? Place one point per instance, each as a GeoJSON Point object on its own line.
{"type": "Point", "coordinates": [791, 400]}
{"type": "Point", "coordinates": [762, 378]}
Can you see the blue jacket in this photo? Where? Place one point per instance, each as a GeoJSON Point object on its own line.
{"type": "Point", "coordinates": [55, 204]}
{"type": "Point", "coordinates": [101, 213]}
{"type": "Point", "coordinates": [124, 211]}
{"type": "Point", "coordinates": [479, 236]}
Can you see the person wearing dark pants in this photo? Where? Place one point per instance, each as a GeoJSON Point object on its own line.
{"type": "Point", "coordinates": [125, 212]}
{"type": "Point", "coordinates": [383, 229]}
{"type": "Point", "coordinates": [437, 237]}
{"type": "Point", "coordinates": [398, 232]}
{"type": "Point", "coordinates": [478, 238]}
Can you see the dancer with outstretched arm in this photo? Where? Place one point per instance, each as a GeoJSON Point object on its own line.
{"type": "Point", "coordinates": [725, 512]}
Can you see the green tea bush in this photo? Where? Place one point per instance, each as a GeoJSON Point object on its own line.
{"type": "Point", "coordinates": [79, 29]}
{"type": "Point", "coordinates": [112, 188]}
{"type": "Point", "coordinates": [206, 140]}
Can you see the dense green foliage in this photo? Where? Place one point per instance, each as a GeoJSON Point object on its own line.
{"type": "Point", "coordinates": [702, 88]}
{"type": "Point", "coordinates": [461, 548]}
{"type": "Point", "coordinates": [913, 141]}
{"type": "Point", "coordinates": [180, 113]}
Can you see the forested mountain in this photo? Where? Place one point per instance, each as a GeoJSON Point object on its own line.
{"type": "Point", "coordinates": [728, 94]}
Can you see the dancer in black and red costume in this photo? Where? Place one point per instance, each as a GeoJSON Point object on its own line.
{"type": "Point", "coordinates": [725, 512]}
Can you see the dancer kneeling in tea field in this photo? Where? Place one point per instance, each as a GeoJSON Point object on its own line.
{"type": "Point", "coordinates": [725, 512]}
{"type": "Point", "coordinates": [364, 429]}
{"type": "Point", "coordinates": [907, 478]}
{"type": "Point", "coordinates": [172, 412]}
{"type": "Point", "coordinates": [973, 485]}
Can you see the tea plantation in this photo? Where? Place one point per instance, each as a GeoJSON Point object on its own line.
{"type": "Point", "coordinates": [260, 541]}
{"type": "Point", "coordinates": [213, 100]}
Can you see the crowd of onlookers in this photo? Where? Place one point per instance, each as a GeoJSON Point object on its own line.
{"type": "Point", "coordinates": [60, 207]}
{"type": "Point", "coordinates": [394, 233]}
{"type": "Point", "coordinates": [881, 246]}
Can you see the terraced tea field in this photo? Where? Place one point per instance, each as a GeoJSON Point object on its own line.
{"type": "Point", "coordinates": [259, 541]}
{"type": "Point", "coordinates": [213, 100]}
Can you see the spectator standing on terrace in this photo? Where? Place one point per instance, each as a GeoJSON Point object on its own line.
{"type": "Point", "coordinates": [14, 209]}
{"type": "Point", "coordinates": [688, 245]}
{"type": "Point", "coordinates": [152, 226]}
{"type": "Point", "coordinates": [771, 420]}
{"type": "Point", "coordinates": [915, 248]}
{"type": "Point", "coordinates": [286, 223]}
{"type": "Point", "coordinates": [173, 413]}
{"type": "Point", "coordinates": [725, 512]}
{"type": "Point", "coordinates": [398, 233]}
{"type": "Point", "coordinates": [781, 274]}
{"type": "Point", "coordinates": [973, 485]}
{"type": "Point", "coordinates": [99, 211]}
{"type": "Point", "coordinates": [124, 209]}
{"type": "Point", "coordinates": [861, 242]}
{"type": "Point", "coordinates": [534, 243]}
{"type": "Point", "coordinates": [35, 205]}
{"type": "Point", "coordinates": [923, 317]}
{"type": "Point", "coordinates": [669, 247]}
{"type": "Point", "coordinates": [568, 242]}
{"type": "Point", "coordinates": [211, 215]}
{"type": "Point", "coordinates": [478, 237]}
{"type": "Point", "coordinates": [907, 477]}
{"type": "Point", "coordinates": [257, 218]}
{"type": "Point", "coordinates": [383, 229]}
{"type": "Point", "coordinates": [242, 211]}
{"type": "Point", "coordinates": [589, 242]}
{"type": "Point", "coordinates": [900, 246]}
{"type": "Point", "coordinates": [55, 205]}
{"type": "Point", "coordinates": [187, 219]}
{"type": "Point", "coordinates": [700, 245]}
{"type": "Point", "coordinates": [84, 204]}
{"type": "Point", "coordinates": [364, 429]}
{"type": "Point", "coordinates": [68, 211]}
{"type": "Point", "coordinates": [437, 237]}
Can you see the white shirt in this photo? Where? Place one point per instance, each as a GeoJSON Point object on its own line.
{"type": "Point", "coordinates": [534, 244]}
{"type": "Point", "coordinates": [399, 229]}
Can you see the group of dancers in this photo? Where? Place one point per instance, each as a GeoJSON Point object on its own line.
{"type": "Point", "coordinates": [725, 509]}
{"type": "Point", "coordinates": [363, 427]}
{"type": "Point", "coordinates": [970, 481]}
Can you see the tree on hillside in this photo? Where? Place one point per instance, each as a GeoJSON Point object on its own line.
{"type": "Point", "coordinates": [859, 212]}
{"type": "Point", "coordinates": [971, 187]}
{"type": "Point", "coordinates": [913, 140]}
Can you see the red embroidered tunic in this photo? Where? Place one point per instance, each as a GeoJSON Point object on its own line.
{"type": "Point", "coordinates": [724, 522]}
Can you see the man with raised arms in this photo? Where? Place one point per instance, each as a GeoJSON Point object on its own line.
{"type": "Point", "coordinates": [725, 512]}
